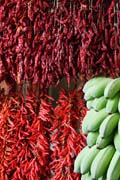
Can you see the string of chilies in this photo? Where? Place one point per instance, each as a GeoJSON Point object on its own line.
{"type": "Point", "coordinates": [38, 141]}
{"type": "Point", "coordinates": [67, 139]}
{"type": "Point", "coordinates": [25, 137]}
{"type": "Point", "coordinates": [43, 41]}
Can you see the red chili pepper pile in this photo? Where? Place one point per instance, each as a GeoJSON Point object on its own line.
{"type": "Point", "coordinates": [25, 138]}
{"type": "Point", "coordinates": [38, 141]}
{"type": "Point", "coordinates": [67, 139]}
{"type": "Point", "coordinates": [43, 41]}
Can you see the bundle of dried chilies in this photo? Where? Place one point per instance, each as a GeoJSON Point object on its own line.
{"type": "Point", "coordinates": [67, 139]}
{"type": "Point", "coordinates": [24, 137]}
{"type": "Point", "coordinates": [43, 41]}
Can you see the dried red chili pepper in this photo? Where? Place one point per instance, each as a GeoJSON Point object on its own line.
{"type": "Point", "coordinates": [25, 130]}
{"type": "Point", "coordinates": [42, 34]}
{"type": "Point", "coordinates": [65, 138]}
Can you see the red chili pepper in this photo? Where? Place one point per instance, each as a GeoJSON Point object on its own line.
{"type": "Point", "coordinates": [111, 6]}
{"type": "Point", "coordinates": [67, 110]}
{"type": "Point", "coordinates": [116, 62]}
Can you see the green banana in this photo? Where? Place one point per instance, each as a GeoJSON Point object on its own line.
{"type": "Point", "coordinates": [89, 177]}
{"type": "Point", "coordinates": [117, 142]}
{"type": "Point", "coordinates": [92, 82]}
{"type": "Point", "coordinates": [99, 103]}
{"type": "Point", "coordinates": [103, 142]}
{"type": "Point", "coordinates": [98, 89]}
{"type": "Point", "coordinates": [87, 159]}
{"type": "Point", "coordinates": [112, 88]}
{"type": "Point", "coordinates": [89, 104]}
{"type": "Point", "coordinates": [113, 172]}
{"type": "Point", "coordinates": [85, 176]}
{"type": "Point", "coordinates": [101, 162]}
{"type": "Point", "coordinates": [109, 124]}
{"type": "Point", "coordinates": [91, 138]}
{"type": "Point", "coordinates": [88, 95]}
{"type": "Point", "coordinates": [86, 121]}
{"type": "Point", "coordinates": [112, 104]}
{"type": "Point", "coordinates": [77, 163]}
{"type": "Point", "coordinates": [96, 119]}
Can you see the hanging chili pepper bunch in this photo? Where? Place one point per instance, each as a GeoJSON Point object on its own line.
{"type": "Point", "coordinates": [43, 41]}
{"type": "Point", "coordinates": [67, 139]}
{"type": "Point", "coordinates": [24, 137]}
{"type": "Point", "coordinates": [46, 115]}
{"type": "Point", "coordinates": [100, 46]}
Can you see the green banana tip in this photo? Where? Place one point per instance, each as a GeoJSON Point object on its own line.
{"type": "Point", "coordinates": [82, 173]}
{"type": "Point", "coordinates": [89, 131]}
{"type": "Point", "coordinates": [76, 172]}
{"type": "Point", "coordinates": [89, 146]}
{"type": "Point", "coordinates": [97, 146]}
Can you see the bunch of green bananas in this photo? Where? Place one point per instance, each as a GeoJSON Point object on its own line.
{"type": "Point", "coordinates": [100, 159]}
